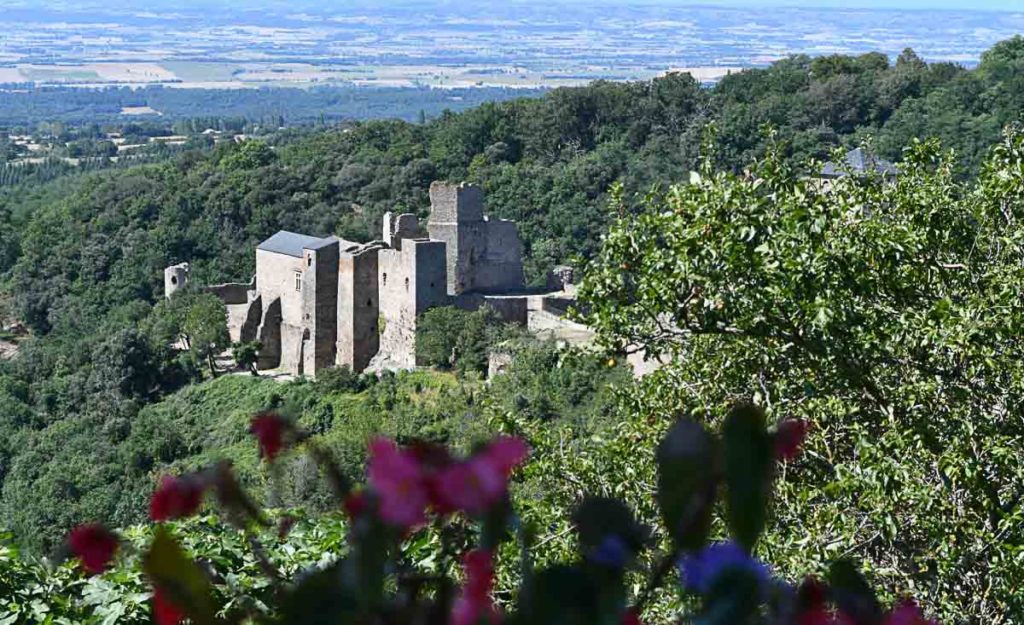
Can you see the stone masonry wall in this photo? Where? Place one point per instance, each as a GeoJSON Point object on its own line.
{"type": "Point", "coordinates": [358, 307]}
{"type": "Point", "coordinates": [411, 281]}
{"type": "Point", "coordinates": [320, 306]}
{"type": "Point", "coordinates": [482, 254]}
{"type": "Point", "coordinates": [275, 278]}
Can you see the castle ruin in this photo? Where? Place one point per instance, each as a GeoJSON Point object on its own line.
{"type": "Point", "coordinates": [316, 303]}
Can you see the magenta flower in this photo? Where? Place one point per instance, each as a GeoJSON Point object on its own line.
{"type": "Point", "coordinates": [474, 605]}
{"type": "Point", "coordinates": [506, 453]}
{"type": "Point", "coordinates": [907, 612]}
{"type": "Point", "coordinates": [94, 546]}
{"type": "Point", "coordinates": [475, 485]}
{"type": "Point", "coordinates": [400, 484]}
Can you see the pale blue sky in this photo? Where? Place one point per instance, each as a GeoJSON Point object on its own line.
{"type": "Point", "coordinates": [993, 5]}
{"type": "Point", "coordinates": [341, 5]}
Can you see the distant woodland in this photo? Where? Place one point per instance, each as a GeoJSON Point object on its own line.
{"type": "Point", "coordinates": [27, 105]}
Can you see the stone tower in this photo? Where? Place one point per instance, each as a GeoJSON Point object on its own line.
{"type": "Point", "coordinates": [484, 255]}
{"type": "Point", "coordinates": [175, 277]}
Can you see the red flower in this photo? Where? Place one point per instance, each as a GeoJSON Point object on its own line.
{"type": "Point", "coordinates": [812, 596]}
{"type": "Point", "coordinates": [478, 483]}
{"type": "Point", "coordinates": [474, 603]}
{"type": "Point", "coordinates": [630, 617]}
{"type": "Point", "coordinates": [94, 545]}
{"type": "Point", "coordinates": [177, 497]}
{"type": "Point", "coordinates": [399, 482]}
{"type": "Point", "coordinates": [269, 429]}
{"type": "Point", "coordinates": [907, 612]}
{"type": "Point", "coordinates": [789, 438]}
{"type": "Point", "coordinates": [165, 612]}
{"type": "Point", "coordinates": [354, 504]}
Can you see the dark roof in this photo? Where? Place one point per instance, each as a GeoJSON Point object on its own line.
{"type": "Point", "coordinates": [858, 163]}
{"type": "Point", "coordinates": [292, 244]}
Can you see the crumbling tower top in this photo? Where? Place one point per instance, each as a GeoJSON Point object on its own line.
{"type": "Point", "coordinates": [456, 203]}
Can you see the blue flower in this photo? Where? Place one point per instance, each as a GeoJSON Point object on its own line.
{"type": "Point", "coordinates": [612, 552]}
{"type": "Point", "coordinates": [701, 570]}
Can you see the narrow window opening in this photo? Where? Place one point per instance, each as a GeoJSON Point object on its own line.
{"type": "Point", "coordinates": [385, 279]}
{"type": "Point", "coordinates": [298, 280]}
{"type": "Point", "coordinates": [174, 279]}
{"type": "Point", "coordinates": [407, 284]}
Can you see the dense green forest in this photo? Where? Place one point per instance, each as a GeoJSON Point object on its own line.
{"type": "Point", "coordinates": [97, 402]}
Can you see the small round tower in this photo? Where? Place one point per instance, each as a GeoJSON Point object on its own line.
{"type": "Point", "coordinates": [175, 277]}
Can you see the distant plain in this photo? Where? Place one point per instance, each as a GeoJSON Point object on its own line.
{"type": "Point", "coordinates": [455, 45]}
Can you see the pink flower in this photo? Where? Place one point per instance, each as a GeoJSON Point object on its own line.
{"type": "Point", "coordinates": [269, 428]}
{"type": "Point", "coordinates": [478, 483]}
{"type": "Point", "coordinates": [474, 604]}
{"type": "Point", "coordinates": [94, 545]}
{"type": "Point", "coordinates": [165, 612]}
{"type": "Point", "coordinates": [789, 438]}
{"type": "Point", "coordinates": [471, 486]}
{"type": "Point", "coordinates": [399, 482]}
{"type": "Point", "coordinates": [907, 612]}
{"type": "Point", "coordinates": [507, 452]}
{"type": "Point", "coordinates": [177, 497]}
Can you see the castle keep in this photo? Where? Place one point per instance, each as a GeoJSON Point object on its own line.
{"type": "Point", "coordinates": [318, 302]}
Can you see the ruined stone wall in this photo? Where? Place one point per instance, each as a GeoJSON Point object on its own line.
{"type": "Point", "coordinates": [269, 334]}
{"type": "Point", "coordinates": [358, 307]}
{"type": "Point", "coordinates": [511, 308]}
{"type": "Point", "coordinates": [483, 254]}
{"type": "Point", "coordinates": [411, 280]}
{"type": "Point", "coordinates": [399, 227]}
{"type": "Point", "coordinates": [231, 293]}
{"type": "Point", "coordinates": [456, 217]}
{"type": "Point", "coordinates": [502, 266]}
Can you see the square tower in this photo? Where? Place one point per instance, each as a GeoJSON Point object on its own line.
{"type": "Point", "coordinates": [457, 218]}
{"type": "Point", "coordinates": [483, 255]}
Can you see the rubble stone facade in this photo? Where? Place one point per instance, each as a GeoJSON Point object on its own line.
{"type": "Point", "coordinates": [319, 302]}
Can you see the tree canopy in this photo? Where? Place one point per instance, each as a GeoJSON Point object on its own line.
{"type": "Point", "coordinates": [887, 313]}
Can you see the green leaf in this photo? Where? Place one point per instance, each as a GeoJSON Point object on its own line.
{"type": "Point", "coordinates": [561, 595]}
{"type": "Point", "coordinates": [322, 598]}
{"type": "Point", "coordinates": [179, 577]}
{"type": "Point", "coordinates": [606, 526]}
{"type": "Point", "coordinates": [688, 477]}
{"type": "Point", "coordinates": [748, 470]}
{"type": "Point", "coordinates": [852, 593]}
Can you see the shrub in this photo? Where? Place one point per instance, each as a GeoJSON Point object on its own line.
{"type": "Point", "coordinates": [425, 511]}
